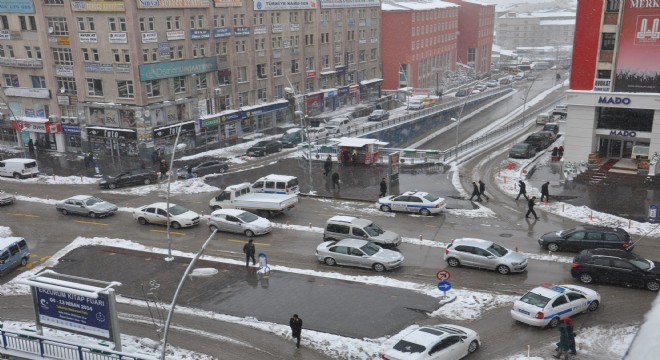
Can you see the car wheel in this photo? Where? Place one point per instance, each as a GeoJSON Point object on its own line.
{"type": "Point", "coordinates": [379, 267]}
{"type": "Point", "coordinates": [175, 225]}
{"type": "Point", "coordinates": [213, 228]}
{"type": "Point", "coordinates": [142, 221]}
{"type": "Point", "coordinates": [425, 212]}
{"type": "Point", "coordinates": [216, 207]}
{"type": "Point", "coordinates": [112, 186]}
{"type": "Point", "coordinates": [586, 278]}
{"type": "Point", "coordinates": [330, 261]}
{"type": "Point", "coordinates": [474, 346]}
{"type": "Point", "coordinates": [24, 261]}
{"type": "Point", "coordinates": [385, 208]}
{"type": "Point", "coordinates": [249, 233]}
{"type": "Point", "coordinates": [17, 176]}
{"type": "Point", "coordinates": [593, 306]}
{"type": "Point", "coordinates": [653, 285]}
{"type": "Point", "coordinates": [553, 247]}
{"type": "Point", "coordinates": [92, 214]}
{"type": "Point", "coordinates": [503, 269]}
{"type": "Point", "coordinates": [453, 262]}
{"type": "Point", "coordinates": [64, 212]}
{"type": "Point", "coordinates": [554, 322]}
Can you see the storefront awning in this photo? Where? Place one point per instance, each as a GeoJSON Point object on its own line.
{"type": "Point", "coordinates": [331, 72]}
{"type": "Point", "coordinates": [369, 82]}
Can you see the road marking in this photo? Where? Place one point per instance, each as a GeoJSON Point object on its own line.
{"type": "Point", "coordinates": [243, 241]}
{"type": "Point", "coordinates": [165, 231]}
{"type": "Point", "coordinates": [44, 258]}
{"type": "Point", "coordinates": [33, 263]}
{"type": "Point", "coordinates": [90, 222]}
{"type": "Point", "coordinates": [28, 215]}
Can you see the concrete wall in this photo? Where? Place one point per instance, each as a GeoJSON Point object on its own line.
{"type": "Point", "coordinates": [580, 140]}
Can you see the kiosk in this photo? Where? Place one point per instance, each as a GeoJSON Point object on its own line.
{"type": "Point", "coordinates": [359, 150]}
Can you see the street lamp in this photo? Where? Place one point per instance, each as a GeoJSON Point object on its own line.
{"type": "Point", "coordinates": [299, 111]}
{"type": "Point", "coordinates": [524, 99]}
{"type": "Point", "coordinates": [167, 206]}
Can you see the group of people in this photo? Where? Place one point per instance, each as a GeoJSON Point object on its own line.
{"type": "Point", "coordinates": [566, 344]}
{"type": "Point", "coordinates": [522, 191]}
{"type": "Point", "coordinates": [479, 191]}
{"type": "Point", "coordinates": [35, 145]}
{"type": "Point", "coordinates": [327, 169]}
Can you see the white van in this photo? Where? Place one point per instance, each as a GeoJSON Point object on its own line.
{"type": "Point", "coordinates": [19, 168]}
{"type": "Point", "coordinates": [14, 252]}
{"type": "Point", "coordinates": [343, 227]}
{"type": "Point", "coordinates": [277, 184]}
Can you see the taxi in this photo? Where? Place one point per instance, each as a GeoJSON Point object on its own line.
{"type": "Point", "coordinates": [548, 304]}
{"type": "Point", "coordinates": [419, 202]}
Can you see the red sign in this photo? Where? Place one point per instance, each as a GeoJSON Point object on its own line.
{"type": "Point", "coordinates": [443, 275]}
{"type": "Point", "coordinates": [46, 127]}
{"type": "Point", "coordinates": [310, 73]}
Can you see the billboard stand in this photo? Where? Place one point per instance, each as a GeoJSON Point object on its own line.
{"type": "Point", "coordinates": [73, 304]}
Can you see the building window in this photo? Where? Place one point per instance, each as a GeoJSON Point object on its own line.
{"type": "Point", "coordinates": [294, 39]}
{"type": "Point", "coordinates": [295, 66]}
{"type": "Point", "coordinates": [125, 89]}
{"type": "Point", "coordinates": [260, 44]}
{"type": "Point", "coordinates": [612, 6]}
{"type": "Point", "coordinates": [262, 94]}
{"type": "Point", "coordinates": [325, 61]}
{"type": "Point", "coordinates": [239, 19]}
{"type": "Point", "coordinates": [242, 74]}
{"type": "Point", "coordinates": [362, 57]}
{"type": "Point", "coordinates": [309, 63]}
{"type": "Point", "coordinates": [53, 2]}
{"type": "Point", "coordinates": [325, 38]}
{"type": "Point", "coordinates": [604, 74]}
{"type": "Point", "coordinates": [374, 54]}
{"type": "Point", "coordinates": [28, 23]}
{"type": "Point", "coordinates": [62, 56]}
{"type": "Point", "coordinates": [68, 84]}
{"type": "Point", "coordinates": [219, 20]}
{"type": "Point", "coordinates": [309, 39]}
{"type": "Point", "coordinates": [94, 87]}
{"type": "Point", "coordinates": [261, 71]}
{"type": "Point", "coordinates": [85, 54]}
{"type": "Point", "coordinates": [4, 22]}
{"type": "Point", "coordinates": [258, 19]}
{"type": "Point", "coordinates": [243, 99]}
{"type": "Point", "coordinates": [147, 24]}
{"type": "Point", "coordinates": [277, 68]}
{"type": "Point", "coordinates": [274, 18]}
{"type": "Point", "coordinates": [276, 42]}
{"type": "Point", "coordinates": [11, 80]}
{"type": "Point", "coordinates": [179, 84]}
{"type": "Point", "coordinates": [153, 88]}
{"type": "Point", "coordinates": [624, 119]}
{"type": "Point", "coordinates": [471, 55]}
{"type": "Point", "coordinates": [293, 17]}
{"type": "Point", "coordinates": [240, 46]}
{"type": "Point", "coordinates": [309, 16]}
{"type": "Point", "coordinates": [609, 39]}
{"type": "Point", "coordinates": [200, 82]}
{"type": "Point", "coordinates": [221, 48]}
{"type": "Point", "coordinates": [58, 25]}
{"type": "Point", "coordinates": [224, 77]}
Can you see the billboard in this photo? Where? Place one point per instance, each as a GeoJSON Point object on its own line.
{"type": "Point", "coordinates": [285, 4]}
{"type": "Point", "coordinates": [17, 6]}
{"type": "Point", "coordinates": [637, 65]}
{"type": "Point", "coordinates": [342, 4]}
{"type": "Point", "coordinates": [172, 69]}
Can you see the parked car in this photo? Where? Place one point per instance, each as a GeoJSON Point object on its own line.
{"type": "Point", "coordinates": [316, 133]}
{"type": "Point", "coordinates": [156, 213]}
{"type": "Point", "coordinates": [14, 252]}
{"type": "Point", "coordinates": [492, 83]}
{"type": "Point", "coordinates": [6, 198]}
{"type": "Point", "coordinates": [291, 138]}
{"type": "Point", "coordinates": [549, 135]}
{"type": "Point", "coordinates": [587, 237]}
{"type": "Point", "coordinates": [379, 115]}
{"type": "Point", "coordinates": [481, 87]}
{"type": "Point", "coordinates": [548, 304]}
{"type": "Point", "coordinates": [239, 221]}
{"type": "Point", "coordinates": [554, 127]}
{"type": "Point", "coordinates": [204, 168]}
{"type": "Point", "coordinates": [462, 93]}
{"type": "Point", "coordinates": [264, 147]}
{"type": "Point", "coordinates": [614, 266]}
{"type": "Point", "coordinates": [127, 178]}
{"type": "Point", "coordinates": [359, 253]}
{"type": "Point", "coordinates": [505, 81]}
{"type": "Point", "coordinates": [19, 168]}
{"type": "Point", "coordinates": [415, 104]}
{"type": "Point", "coordinates": [86, 205]}
{"type": "Point", "coordinates": [342, 227]}
{"type": "Point", "coordinates": [335, 125]}
{"type": "Point", "coordinates": [522, 151]}
{"type": "Point", "coordinates": [413, 201]}
{"type": "Point", "coordinates": [484, 254]}
{"type": "Point", "coordinates": [436, 342]}
{"type": "Point", "coordinates": [539, 141]}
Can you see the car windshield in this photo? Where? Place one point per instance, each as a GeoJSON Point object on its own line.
{"type": "Point", "coordinates": [378, 112]}
{"type": "Point", "coordinates": [93, 200]}
{"type": "Point", "coordinates": [177, 209]}
{"type": "Point", "coordinates": [520, 147]}
{"type": "Point", "coordinates": [642, 263]}
{"type": "Point", "coordinates": [431, 197]}
{"type": "Point", "coordinates": [497, 250]}
{"type": "Point", "coordinates": [535, 299]}
{"type": "Point", "coordinates": [287, 137]}
{"type": "Point", "coordinates": [409, 347]}
{"type": "Point", "coordinates": [248, 217]}
{"type": "Point", "coordinates": [261, 144]}
{"type": "Point", "coordinates": [370, 249]}
{"type": "Point", "coordinates": [373, 230]}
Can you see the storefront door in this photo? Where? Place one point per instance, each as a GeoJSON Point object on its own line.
{"type": "Point", "coordinates": [627, 149]}
{"type": "Point", "coordinates": [615, 148]}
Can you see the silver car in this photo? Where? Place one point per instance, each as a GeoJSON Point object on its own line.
{"type": "Point", "coordinates": [239, 221]}
{"type": "Point", "coordinates": [358, 253]}
{"type": "Point", "coordinates": [86, 205]}
{"type": "Point", "coordinates": [484, 254]}
{"type": "Point", "coordinates": [157, 213]}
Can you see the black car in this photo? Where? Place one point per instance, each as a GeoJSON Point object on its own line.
{"type": "Point", "coordinates": [127, 178]}
{"type": "Point", "coordinates": [616, 267]}
{"type": "Point", "coordinates": [522, 151]}
{"type": "Point", "coordinates": [205, 168]}
{"type": "Point", "coordinates": [379, 115]}
{"type": "Point", "coordinates": [537, 140]}
{"type": "Point", "coordinates": [587, 237]}
{"type": "Point", "coordinates": [554, 127]}
{"type": "Point", "coordinates": [263, 148]}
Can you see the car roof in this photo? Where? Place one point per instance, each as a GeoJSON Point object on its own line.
{"type": "Point", "coordinates": [599, 228]}
{"type": "Point", "coordinates": [351, 219]}
{"type": "Point", "coordinates": [351, 242]}
{"type": "Point", "coordinates": [608, 252]}
{"type": "Point", "coordinates": [473, 242]}
{"type": "Point", "coordinates": [19, 160]}
{"type": "Point", "coordinates": [162, 205]}
{"type": "Point", "coordinates": [6, 241]}
{"type": "Point", "coordinates": [232, 212]}
{"type": "Point", "coordinates": [522, 144]}
{"type": "Point", "coordinates": [293, 130]}
{"type": "Point", "coordinates": [276, 177]}
{"type": "Point", "coordinates": [428, 335]}
{"type": "Point", "coordinates": [415, 192]}
{"type": "Point", "coordinates": [79, 197]}
{"type": "Point", "coordinates": [549, 291]}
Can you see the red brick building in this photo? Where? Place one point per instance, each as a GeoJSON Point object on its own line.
{"type": "Point", "coordinates": [475, 42]}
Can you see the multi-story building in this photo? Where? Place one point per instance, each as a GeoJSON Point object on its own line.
{"type": "Point", "coordinates": [532, 29]}
{"type": "Point", "coordinates": [126, 76]}
{"type": "Point", "coordinates": [476, 25]}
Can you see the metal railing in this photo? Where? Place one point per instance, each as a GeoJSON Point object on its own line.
{"type": "Point", "coordinates": [30, 345]}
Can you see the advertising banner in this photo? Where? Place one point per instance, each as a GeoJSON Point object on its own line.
{"type": "Point", "coordinates": [105, 6]}
{"type": "Point", "coordinates": [172, 4]}
{"type": "Point", "coordinates": [87, 37]}
{"type": "Point", "coordinates": [117, 38]}
{"type": "Point", "coordinates": [285, 4]}
{"type": "Point", "coordinates": [341, 4]}
{"type": "Point", "coordinates": [16, 6]}
{"type": "Point", "coordinates": [227, 3]}
{"type": "Point", "coordinates": [637, 65]}
{"type": "Point", "coordinates": [177, 68]}
{"type": "Point", "coordinates": [149, 37]}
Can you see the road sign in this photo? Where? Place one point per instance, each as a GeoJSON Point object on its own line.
{"type": "Point", "coordinates": [444, 286]}
{"type": "Point", "coordinates": [443, 275]}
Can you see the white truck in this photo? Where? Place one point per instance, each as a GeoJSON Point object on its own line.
{"type": "Point", "coordinates": [240, 196]}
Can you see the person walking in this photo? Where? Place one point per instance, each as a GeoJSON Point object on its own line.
{"type": "Point", "coordinates": [522, 190]}
{"type": "Point", "coordinates": [564, 343]}
{"type": "Point", "coordinates": [544, 191]}
{"type": "Point", "coordinates": [296, 327]}
{"type": "Point", "coordinates": [31, 147]}
{"type": "Point", "coordinates": [249, 250]}
{"type": "Point", "coordinates": [327, 166]}
{"type": "Point", "coordinates": [530, 208]}
{"type": "Point", "coordinates": [570, 330]}
{"type": "Point", "coordinates": [475, 192]}
{"type": "Point", "coordinates": [335, 181]}
{"type": "Point", "coordinates": [383, 188]}
{"type": "Point", "coordinates": [163, 168]}
{"type": "Point", "coordinates": [189, 173]}
{"type": "Point", "coordinates": [482, 190]}
{"type": "Point", "coordinates": [90, 155]}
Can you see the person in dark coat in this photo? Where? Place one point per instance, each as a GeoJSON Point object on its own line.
{"type": "Point", "coordinates": [335, 181]}
{"type": "Point", "coordinates": [163, 168]}
{"type": "Point", "coordinates": [189, 173]}
{"type": "Point", "coordinates": [570, 329]}
{"type": "Point", "coordinates": [564, 343]}
{"type": "Point", "coordinates": [249, 250]}
{"type": "Point", "coordinates": [530, 208]}
{"type": "Point", "coordinates": [90, 155]}
{"type": "Point", "coordinates": [555, 151]}
{"type": "Point", "coordinates": [31, 147]}
{"type": "Point", "coordinates": [296, 327]}
{"type": "Point", "coordinates": [560, 151]}
{"type": "Point", "coordinates": [383, 188]}
{"type": "Point", "coordinates": [327, 166]}
{"type": "Point", "coordinates": [544, 191]}
{"type": "Point", "coordinates": [523, 190]}
{"type": "Point", "coordinates": [475, 192]}
{"type": "Point", "coordinates": [482, 190]}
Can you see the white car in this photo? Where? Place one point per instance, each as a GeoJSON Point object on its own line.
{"type": "Point", "coordinates": [156, 214]}
{"type": "Point", "coordinates": [438, 342]}
{"type": "Point", "coordinates": [316, 133]}
{"type": "Point", "coordinates": [335, 126]}
{"type": "Point", "coordinates": [548, 304]}
{"type": "Point", "coordinates": [239, 221]}
{"type": "Point", "coordinates": [413, 201]}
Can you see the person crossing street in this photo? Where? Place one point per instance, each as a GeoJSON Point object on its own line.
{"type": "Point", "coordinates": [522, 190]}
{"type": "Point", "coordinates": [482, 190]}
{"type": "Point", "coordinates": [383, 188]}
{"type": "Point", "coordinates": [475, 192]}
{"type": "Point", "coordinates": [530, 208]}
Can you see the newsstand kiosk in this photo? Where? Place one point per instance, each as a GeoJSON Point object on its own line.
{"type": "Point", "coordinates": [353, 151]}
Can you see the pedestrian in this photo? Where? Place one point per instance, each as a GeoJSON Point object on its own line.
{"type": "Point", "coordinates": [154, 156]}
{"type": "Point", "coordinates": [86, 161]}
{"type": "Point", "coordinates": [335, 181]}
{"type": "Point", "coordinates": [522, 190]}
{"type": "Point", "coordinates": [163, 168]}
{"type": "Point", "coordinates": [570, 330]}
{"type": "Point", "coordinates": [544, 192]}
{"type": "Point", "coordinates": [38, 144]}
{"type": "Point", "coordinates": [327, 167]}
{"type": "Point", "coordinates": [354, 157]}
{"type": "Point", "coordinates": [31, 147]}
{"type": "Point", "coordinates": [90, 155]}
{"type": "Point", "coordinates": [475, 192]}
{"type": "Point", "coordinates": [249, 250]}
{"type": "Point", "coordinates": [383, 188]}
{"type": "Point", "coordinates": [296, 327]}
{"type": "Point", "coordinates": [560, 151]}
{"type": "Point", "coordinates": [564, 343]}
{"type": "Point", "coordinates": [482, 190]}
{"type": "Point", "coordinates": [189, 173]}
{"type": "Point", "coordinates": [555, 152]}
{"type": "Point", "coordinates": [530, 208]}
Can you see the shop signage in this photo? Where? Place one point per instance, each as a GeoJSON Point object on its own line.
{"type": "Point", "coordinates": [123, 68]}
{"type": "Point", "coordinates": [625, 133]}
{"type": "Point", "coordinates": [21, 63]}
{"type": "Point", "coordinates": [200, 34]}
{"type": "Point", "coordinates": [242, 30]}
{"type": "Point", "coordinates": [28, 92]}
{"type": "Point", "coordinates": [164, 50]}
{"type": "Point", "coordinates": [63, 100]}
{"type": "Point", "coordinates": [176, 35]}
{"type": "Point", "coordinates": [227, 3]}
{"type": "Point", "coordinates": [91, 67]}
{"type": "Point", "coordinates": [71, 129]}
{"type": "Point", "coordinates": [117, 38]}
{"type": "Point", "coordinates": [172, 130]}
{"type": "Point", "coordinates": [107, 68]}
{"type": "Point", "coordinates": [209, 123]}
{"type": "Point", "coordinates": [87, 37]}
{"type": "Point", "coordinates": [260, 30]}
{"type": "Point", "coordinates": [16, 6]}
{"type": "Point", "coordinates": [334, 4]}
{"type": "Point", "coordinates": [5, 35]}
{"type": "Point", "coordinates": [108, 6]}
{"type": "Point", "coordinates": [343, 90]}
{"type": "Point", "coordinates": [112, 133]}
{"type": "Point", "coordinates": [310, 73]}
{"type": "Point", "coordinates": [172, 4]}
{"type": "Point", "coordinates": [149, 37]}
{"type": "Point", "coordinates": [40, 127]}
{"type": "Point", "coordinates": [221, 32]}
{"type": "Point", "coordinates": [286, 5]}
{"type": "Point", "coordinates": [177, 68]}
{"type": "Point", "coordinates": [614, 100]}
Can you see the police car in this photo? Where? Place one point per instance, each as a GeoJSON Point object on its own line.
{"type": "Point", "coordinates": [548, 304]}
{"type": "Point", "coordinates": [413, 201]}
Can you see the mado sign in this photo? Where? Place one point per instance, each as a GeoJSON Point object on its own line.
{"type": "Point", "coordinates": [71, 312]}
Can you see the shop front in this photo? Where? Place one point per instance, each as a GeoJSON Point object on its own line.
{"type": "Point", "coordinates": [314, 103]}
{"type": "Point", "coordinates": [370, 89]}
{"type": "Point", "coordinates": [165, 136]}
{"type": "Point", "coordinates": [618, 144]}
{"type": "Point", "coordinates": [72, 138]}
{"type": "Point", "coordinates": [329, 97]}
{"type": "Point", "coordinates": [354, 94]}
{"type": "Point", "coordinates": [112, 141]}
{"type": "Point", "coordinates": [342, 96]}
{"type": "Point", "coordinates": [264, 117]}
{"type": "Point", "coordinates": [44, 134]}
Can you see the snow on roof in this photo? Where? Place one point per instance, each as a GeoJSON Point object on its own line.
{"type": "Point", "coordinates": [358, 142]}
{"type": "Point", "coordinates": [416, 5]}
{"type": "Point", "coordinates": [538, 14]}
{"type": "Point", "coordinates": [34, 120]}
{"type": "Point", "coordinates": [558, 22]}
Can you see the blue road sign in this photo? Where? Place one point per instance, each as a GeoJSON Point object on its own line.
{"type": "Point", "coordinates": [444, 286]}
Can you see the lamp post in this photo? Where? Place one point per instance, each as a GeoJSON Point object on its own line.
{"type": "Point", "coordinates": [524, 99]}
{"type": "Point", "coordinates": [167, 206]}
{"type": "Point", "coordinates": [299, 111]}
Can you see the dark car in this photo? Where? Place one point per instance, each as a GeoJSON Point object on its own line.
{"type": "Point", "coordinates": [549, 135]}
{"type": "Point", "coordinates": [537, 140]}
{"type": "Point", "coordinates": [587, 237]}
{"type": "Point", "coordinates": [128, 178]}
{"type": "Point", "coordinates": [462, 93]}
{"type": "Point", "coordinates": [263, 148]}
{"type": "Point", "coordinates": [616, 267]}
{"type": "Point", "coordinates": [522, 151]}
{"type": "Point", "coordinates": [554, 127]}
{"type": "Point", "coordinates": [379, 115]}
{"type": "Point", "coordinates": [204, 168]}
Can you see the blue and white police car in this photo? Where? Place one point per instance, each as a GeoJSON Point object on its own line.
{"type": "Point", "coordinates": [413, 201]}
{"type": "Point", "coordinates": [548, 304]}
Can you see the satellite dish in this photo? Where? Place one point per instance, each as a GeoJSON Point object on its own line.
{"type": "Point", "coordinates": [50, 30]}
{"type": "Point", "coordinates": [62, 90]}
{"type": "Point", "coordinates": [146, 113]}
{"type": "Point", "coordinates": [289, 90]}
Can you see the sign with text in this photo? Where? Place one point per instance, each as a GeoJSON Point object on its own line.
{"type": "Point", "coordinates": [16, 6]}
{"type": "Point", "coordinates": [341, 4]}
{"type": "Point", "coordinates": [112, 133]}
{"type": "Point", "coordinates": [285, 5]}
{"type": "Point", "coordinates": [171, 69]}
{"type": "Point", "coordinates": [172, 4]}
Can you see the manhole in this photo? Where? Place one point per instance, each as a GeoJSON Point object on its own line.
{"type": "Point", "coordinates": [506, 235]}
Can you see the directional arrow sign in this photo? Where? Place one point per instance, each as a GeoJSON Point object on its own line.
{"type": "Point", "coordinates": [444, 286]}
{"type": "Point", "coordinates": [443, 275]}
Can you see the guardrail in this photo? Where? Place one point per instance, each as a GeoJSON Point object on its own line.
{"type": "Point", "coordinates": [32, 346]}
